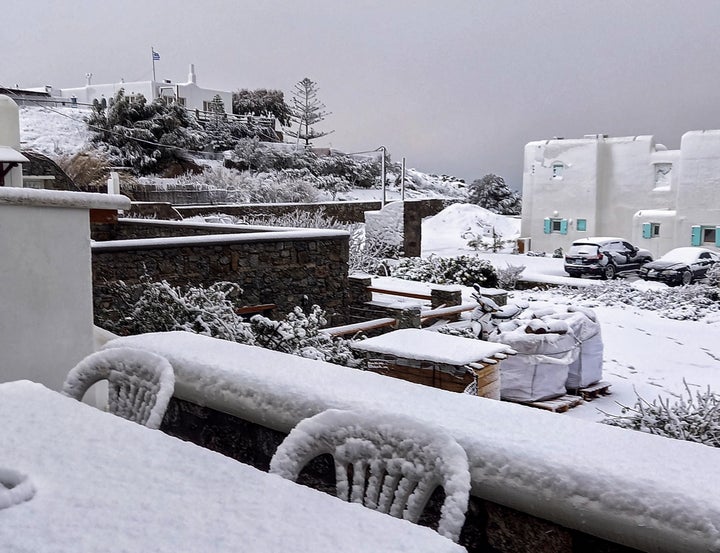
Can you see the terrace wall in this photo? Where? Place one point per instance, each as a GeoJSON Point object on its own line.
{"type": "Point", "coordinates": [286, 268]}
{"type": "Point", "coordinates": [489, 527]}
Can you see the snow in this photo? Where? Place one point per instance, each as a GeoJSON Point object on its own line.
{"type": "Point", "coordinates": [455, 225]}
{"type": "Point", "coordinates": [53, 131]}
{"type": "Point", "coordinates": [411, 343]}
{"type": "Point", "coordinates": [684, 255]}
{"type": "Point", "coordinates": [103, 483]}
{"type": "Point", "coordinates": [62, 198]}
{"type": "Point", "coordinates": [630, 487]}
{"type": "Point", "coordinates": [218, 239]}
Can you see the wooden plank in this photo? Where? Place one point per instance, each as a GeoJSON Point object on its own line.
{"type": "Point", "coordinates": [359, 327]}
{"type": "Point", "coordinates": [593, 391]}
{"type": "Point", "coordinates": [261, 308]}
{"type": "Point", "coordinates": [401, 293]}
{"type": "Point", "coordinates": [557, 405]}
{"type": "Point", "coordinates": [446, 311]}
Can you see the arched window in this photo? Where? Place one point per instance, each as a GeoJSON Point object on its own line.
{"type": "Point", "coordinates": [557, 169]}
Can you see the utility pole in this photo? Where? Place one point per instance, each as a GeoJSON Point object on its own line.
{"type": "Point", "coordinates": [402, 181]}
{"type": "Point", "coordinates": [382, 174]}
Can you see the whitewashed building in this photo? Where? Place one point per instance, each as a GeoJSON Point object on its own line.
{"type": "Point", "coordinates": [187, 94]}
{"type": "Point", "coordinates": [630, 187]}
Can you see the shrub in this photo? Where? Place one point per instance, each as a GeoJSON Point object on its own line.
{"type": "Point", "coordinates": [695, 419]}
{"type": "Point", "coordinates": [299, 334]}
{"type": "Point", "coordinates": [464, 270]}
{"type": "Point", "coordinates": [509, 276]}
{"type": "Point", "coordinates": [160, 306]}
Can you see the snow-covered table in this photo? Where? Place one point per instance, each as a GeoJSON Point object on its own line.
{"type": "Point", "coordinates": [440, 360]}
{"type": "Point", "coordinates": [106, 484]}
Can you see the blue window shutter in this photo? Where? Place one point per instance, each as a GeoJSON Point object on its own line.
{"type": "Point", "coordinates": [547, 226]}
{"type": "Point", "coordinates": [695, 237]}
{"type": "Point", "coordinates": [647, 230]}
{"type": "Point", "coordinates": [581, 224]}
{"type": "Point", "coordinates": [717, 237]}
{"type": "Point", "coordinates": [563, 226]}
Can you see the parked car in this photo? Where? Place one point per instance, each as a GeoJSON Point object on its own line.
{"type": "Point", "coordinates": [680, 266]}
{"type": "Point", "coordinates": [604, 257]}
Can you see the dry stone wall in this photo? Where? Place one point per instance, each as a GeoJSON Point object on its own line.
{"type": "Point", "coordinates": [280, 268]}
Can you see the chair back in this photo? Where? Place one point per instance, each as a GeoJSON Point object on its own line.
{"type": "Point", "coordinates": [386, 462]}
{"type": "Point", "coordinates": [140, 383]}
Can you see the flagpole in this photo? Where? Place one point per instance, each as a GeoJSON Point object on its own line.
{"type": "Point", "coordinates": [152, 55]}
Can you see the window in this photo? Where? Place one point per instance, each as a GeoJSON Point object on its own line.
{"type": "Point", "coordinates": [650, 230]}
{"type": "Point", "coordinates": [709, 235]}
{"type": "Point", "coordinates": [662, 175]}
{"type": "Point", "coordinates": [181, 101]}
{"type": "Point", "coordinates": [581, 225]}
{"type": "Point", "coordinates": [557, 169]}
{"type": "Point", "coordinates": [555, 225]}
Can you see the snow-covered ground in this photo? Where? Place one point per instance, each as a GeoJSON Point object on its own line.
{"type": "Point", "coordinates": [643, 351]}
{"type": "Point", "coordinates": [53, 131]}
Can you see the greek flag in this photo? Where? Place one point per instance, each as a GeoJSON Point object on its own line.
{"type": "Point", "coordinates": [156, 56]}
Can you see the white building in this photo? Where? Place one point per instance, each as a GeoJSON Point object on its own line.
{"type": "Point", "coordinates": [187, 94]}
{"type": "Point", "coordinates": [631, 187]}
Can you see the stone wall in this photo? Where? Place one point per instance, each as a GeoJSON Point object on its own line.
{"type": "Point", "coordinates": [42, 166]}
{"type": "Point", "coordinates": [489, 527]}
{"type": "Point", "coordinates": [282, 268]}
{"type": "Point", "coordinates": [346, 212]}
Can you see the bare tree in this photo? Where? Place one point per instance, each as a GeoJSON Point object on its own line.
{"type": "Point", "coordinates": [308, 111]}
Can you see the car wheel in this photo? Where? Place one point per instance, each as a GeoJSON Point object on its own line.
{"type": "Point", "coordinates": [609, 272]}
{"type": "Point", "coordinates": [573, 274]}
{"type": "Point", "coordinates": [687, 278]}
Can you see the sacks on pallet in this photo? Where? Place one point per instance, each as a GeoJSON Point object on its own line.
{"type": "Point", "coordinates": [539, 370]}
{"type": "Point", "coordinates": [587, 368]}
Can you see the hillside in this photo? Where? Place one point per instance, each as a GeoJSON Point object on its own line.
{"type": "Point", "coordinates": [61, 133]}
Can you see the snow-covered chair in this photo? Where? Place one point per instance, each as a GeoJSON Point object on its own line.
{"type": "Point", "coordinates": [140, 383]}
{"type": "Point", "coordinates": [386, 462]}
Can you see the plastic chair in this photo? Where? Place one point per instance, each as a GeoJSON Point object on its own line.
{"type": "Point", "coordinates": [140, 383]}
{"type": "Point", "coordinates": [386, 462]}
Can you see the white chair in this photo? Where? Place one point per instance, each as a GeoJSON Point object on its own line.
{"type": "Point", "coordinates": [140, 383]}
{"type": "Point", "coordinates": [386, 462]}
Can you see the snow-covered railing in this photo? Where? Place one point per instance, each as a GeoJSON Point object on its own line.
{"type": "Point", "coordinates": [643, 491]}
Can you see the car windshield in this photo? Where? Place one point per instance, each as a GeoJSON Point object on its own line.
{"type": "Point", "coordinates": [582, 249]}
{"type": "Point", "coordinates": [681, 255]}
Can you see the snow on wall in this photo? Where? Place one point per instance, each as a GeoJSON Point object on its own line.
{"type": "Point", "coordinates": [386, 226]}
{"type": "Point", "coordinates": [640, 490]}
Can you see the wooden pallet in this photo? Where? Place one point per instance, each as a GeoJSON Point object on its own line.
{"type": "Point", "coordinates": [593, 391]}
{"type": "Point", "coordinates": [557, 405]}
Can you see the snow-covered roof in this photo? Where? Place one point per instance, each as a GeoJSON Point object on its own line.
{"type": "Point", "coordinates": [413, 343]}
{"type": "Point", "coordinates": [629, 487]}
{"type": "Point", "coordinates": [103, 483]}
{"type": "Point", "coordinates": [11, 155]}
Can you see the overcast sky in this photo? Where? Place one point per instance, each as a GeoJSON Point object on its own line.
{"type": "Point", "coordinates": [456, 86]}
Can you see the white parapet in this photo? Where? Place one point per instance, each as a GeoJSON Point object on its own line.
{"type": "Point", "coordinates": [46, 322]}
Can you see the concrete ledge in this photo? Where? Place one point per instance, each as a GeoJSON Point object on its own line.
{"type": "Point", "coordinates": [63, 199]}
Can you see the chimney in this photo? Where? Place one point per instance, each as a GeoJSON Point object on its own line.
{"type": "Point", "coordinates": [191, 74]}
{"type": "Point", "coordinates": [88, 76]}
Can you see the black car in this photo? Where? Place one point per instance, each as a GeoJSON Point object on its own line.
{"type": "Point", "coordinates": [680, 266]}
{"type": "Point", "coordinates": [604, 257]}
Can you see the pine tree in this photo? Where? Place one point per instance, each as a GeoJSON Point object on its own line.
{"type": "Point", "coordinates": [307, 111]}
{"type": "Point", "coordinates": [493, 194]}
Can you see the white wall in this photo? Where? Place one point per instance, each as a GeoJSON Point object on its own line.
{"type": "Point", "coordinates": [46, 321]}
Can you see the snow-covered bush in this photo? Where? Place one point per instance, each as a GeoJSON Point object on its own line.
{"type": "Point", "coordinates": [694, 419]}
{"type": "Point", "coordinates": [509, 276]}
{"type": "Point", "coordinates": [299, 334]}
{"type": "Point", "coordinates": [464, 270]}
{"type": "Point", "coordinates": [692, 302]}
{"type": "Point", "coordinates": [160, 306]}
{"type": "Point", "coordinates": [713, 275]}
